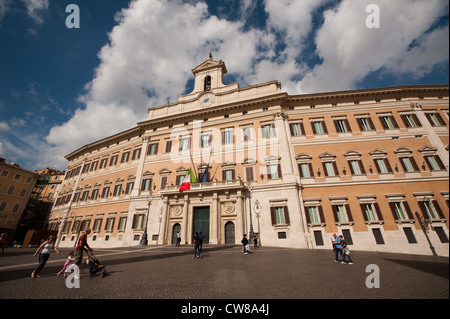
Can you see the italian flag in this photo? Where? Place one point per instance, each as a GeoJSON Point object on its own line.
{"type": "Point", "coordinates": [186, 182]}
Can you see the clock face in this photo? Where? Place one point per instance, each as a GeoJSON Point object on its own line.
{"type": "Point", "coordinates": [207, 99]}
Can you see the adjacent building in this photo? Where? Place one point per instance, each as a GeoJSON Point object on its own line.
{"type": "Point", "coordinates": [371, 165]}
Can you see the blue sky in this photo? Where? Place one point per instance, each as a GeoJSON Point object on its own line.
{"type": "Point", "coordinates": [62, 88]}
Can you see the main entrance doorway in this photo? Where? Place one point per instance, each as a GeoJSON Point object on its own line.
{"type": "Point", "coordinates": [201, 223]}
{"type": "Point", "coordinates": [176, 228]}
{"type": "Point", "coordinates": [229, 233]}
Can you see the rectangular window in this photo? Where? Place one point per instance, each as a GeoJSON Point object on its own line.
{"type": "Point", "coordinates": [407, 163]}
{"type": "Point", "coordinates": [273, 171]}
{"type": "Point", "coordinates": [185, 144]}
{"type": "Point", "coordinates": [340, 213]}
{"type": "Point", "coordinates": [129, 188]}
{"type": "Point", "coordinates": [427, 208]}
{"type": "Point", "coordinates": [411, 120]}
{"type": "Point", "coordinates": [355, 167]}
{"type": "Point", "coordinates": [378, 236]}
{"type": "Point", "coordinates": [94, 194]}
{"type": "Point", "coordinates": [435, 119]}
{"type": "Point", "coordinates": [369, 212]}
{"type": "Point", "coordinates": [103, 162]}
{"type": "Point", "coordinates": [399, 211]}
{"type": "Point", "coordinates": [330, 169]}
{"type": "Point", "coordinates": [136, 154]}
{"type": "Point", "coordinates": [410, 235]}
{"type": "Point", "coordinates": [117, 190]}
{"type": "Point", "coordinates": [138, 221]}
{"type": "Point", "coordinates": [434, 163]}
{"type": "Point", "coordinates": [97, 224]}
{"type": "Point", "coordinates": [146, 184]}
{"type": "Point", "coordinates": [249, 174]}
{"type": "Point", "coordinates": [279, 215]}
{"type": "Point", "coordinates": [305, 170]}
{"type": "Point", "coordinates": [152, 149]}
{"type": "Point", "coordinates": [268, 130]}
{"type": "Point", "coordinates": [342, 125]}
{"type": "Point", "coordinates": [388, 122]}
{"type": "Point", "coordinates": [228, 175]}
{"type": "Point", "coordinates": [168, 147]}
{"type": "Point", "coordinates": [297, 129]}
{"type": "Point", "coordinates": [122, 223]}
{"type": "Point", "coordinates": [163, 182]}
{"type": "Point", "coordinates": [313, 215]}
{"type": "Point", "coordinates": [227, 136]}
{"type": "Point", "coordinates": [318, 127]}
{"type": "Point", "coordinates": [109, 225]}
{"type": "Point", "coordinates": [383, 166]}
{"type": "Point", "coordinates": [205, 140]}
{"type": "Point", "coordinates": [247, 134]}
{"type": "Point", "coordinates": [105, 192]}
{"type": "Point", "coordinates": [113, 161]}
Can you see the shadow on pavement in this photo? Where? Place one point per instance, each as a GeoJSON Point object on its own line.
{"type": "Point", "coordinates": [435, 268]}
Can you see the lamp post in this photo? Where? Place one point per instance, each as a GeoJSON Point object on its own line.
{"type": "Point", "coordinates": [144, 239]}
{"type": "Point", "coordinates": [424, 222]}
{"type": "Point", "coordinates": [249, 187]}
{"type": "Point", "coordinates": [257, 209]}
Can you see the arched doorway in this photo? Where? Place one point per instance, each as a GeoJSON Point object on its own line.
{"type": "Point", "coordinates": [176, 228]}
{"type": "Point", "coordinates": [229, 233]}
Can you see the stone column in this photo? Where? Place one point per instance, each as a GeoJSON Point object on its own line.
{"type": "Point", "coordinates": [184, 227]}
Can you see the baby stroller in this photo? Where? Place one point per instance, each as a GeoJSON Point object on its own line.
{"type": "Point", "coordinates": [95, 266]}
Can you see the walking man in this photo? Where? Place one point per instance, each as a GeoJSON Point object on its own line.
{"type": "Point", "coordinates": [337, 248]}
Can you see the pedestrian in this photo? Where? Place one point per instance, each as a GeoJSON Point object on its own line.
{"type": "Point", "coordinates": [244, 242]}
{"type": "Point", "coordinates": [45, 249]}
{"type": "Point", "coordinates": [196, 246]}
{"type": "Point", "coordinates": [68, 261]}
{"type": "Point", "coordinates": [345, 251]}
{"type": "Point", "coordinates": [337, 248]}
{"type": "Point", "coordinates": [255, 240]}
{"type": "Point", "coordinates": [82, 245]}
{"type": "Point", "coordinates": [200, 241]}
{"type": "Point", "coordinates": [178, 238]}
{"type": "Point", "coordinates": [3, 242]}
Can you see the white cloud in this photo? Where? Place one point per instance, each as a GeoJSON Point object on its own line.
{"type": "Point", "coordinates": [350, 51]}
{"type": "Point", "coordinates": [156, 43]}
{"type": "Point", "coordinates": [4, 126]}
{"type": "Point", "coordinates": [35, 9]}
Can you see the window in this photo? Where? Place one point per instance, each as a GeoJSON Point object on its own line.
{"type": "Point", "coordinates": [370, 210]}
{"type": "Point", "coordinates": [342, 125]}
{"type": "Point", "coordinates": [297, 129]}
{"type": "Point", "coordinates": [279, 215]}
{"type": "Point", "coordinates": [330, 169]}
{"type": "Point", "coordinates": [109, 225]}
{"type": "Point", "coordinates": [207, 84]}
{"type": "Point", "coordinates": [313, 214]}
{"type": "Point", "coordinates": [138, 221]}
{"type": "Point", "coordinates": [122, 223]}
{"type": "Point", "coordinates": [399, 208]}
{"type": "Point", "coordinates": [125, 156]}
{"type": "Point", "coordinates": [94, 165]}
{"type": "Point", "coordinates": [268, 130]}
{"type": "Point", "coordinates": [249, 176]}
{"type": "Point", "coordinates": [430, 208]}
{"type": "Point", "coordinates": [388, 122]}
{"type": "Point", "coordinates": [113, 160]}
{"type": "Point", "coordinates": [168, 147]}
{"type": "Point", "coordinates": [319, 127]}
{"type": "Point", "coordinates": [105, 192]}
{"type": "Point", "coordinates": [341, 210]}
{"type": "Point", "coordinates": [305, 170]}
{"type": "Point", "coordinates": [227, 136]}
{"type": "Point", "coordinates": [228, 175]}
{"type": "Point", "coordinates": [356, 167]}
{"type": "Point", "coordinates": [205, 140]}
{"type": "Point", "coordinates": [146, 184]}
{"type": "Point", "coordinates": [381, 162]}
{"type": "Point", "coordinates": [97, 224]}
{"type": "Point", "coordinates": [94, 194]}
{"type": "Point", "coordinates": [273, 171]}
{"type": "Point", "coordinates": [84, 196]}
{"type": "Point", "coordinates": [407, 161]}
{"type": "Point", "coordinates": [340, 214]}
{"type": "Point", "coordinates": [117, 190]}
{"type": "Point", "coordinates": [434, 163]}
{"type": "Point", "coordinates": [136, 154]}
{"type": "Point", "coordinates": [163, 182]}
{"type": "Point", "coordinates": [129, 188]}
{"type": "Point", "coordinates": [185, 143]}
{"type": "Point", "coordinates": [435, 119]}
{"type": "Point", "coordinates": [247, 134]}
{"type": "Point", "coordinates": [152, 149]}
{"type": "Point", "coordinates": [103, 162]}
{"type": "Point", "coordinates": [411, 120]}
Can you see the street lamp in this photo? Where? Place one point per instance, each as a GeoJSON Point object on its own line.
{"type": "Point", "coordinates": [249, 187]}
{"type": "Point", "coordinates": [424, 222]}
{"type": "Point", "coordinates": [258, 209]}
{"type": "Point", "coordinates": [144, 239]}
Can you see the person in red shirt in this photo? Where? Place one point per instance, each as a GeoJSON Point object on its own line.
{"type": "Point", "coordinates": [82, 245]}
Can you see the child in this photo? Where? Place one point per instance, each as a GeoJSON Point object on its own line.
{"type": "Point", "coordinates": [68, 260]}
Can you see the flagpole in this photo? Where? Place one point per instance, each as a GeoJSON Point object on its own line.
{"type": "Point", "coordinates": [192, 161]}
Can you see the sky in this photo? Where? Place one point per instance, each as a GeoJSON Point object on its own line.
{"type": "Point", "coordinates": [62, 87]}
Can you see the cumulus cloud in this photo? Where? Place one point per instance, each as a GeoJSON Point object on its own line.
{"type": "Point", "coordinates": [155, 44]}
{"type": "Point", "coordinates": [351, 51]}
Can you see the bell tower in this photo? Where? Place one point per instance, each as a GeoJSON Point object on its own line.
{"type": "Point", "coordinates": [208, 76]}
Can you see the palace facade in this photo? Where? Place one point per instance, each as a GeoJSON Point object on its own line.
{"type": "Point", "coordinates": [371, 165]}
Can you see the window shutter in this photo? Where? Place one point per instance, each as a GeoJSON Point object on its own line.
{"type": "Point", "coordinates": [279, 170]}
{"type": "Point", "coordinates": [388, 165]}
{"type": "Point", "coordinates": [322, 218]}
{"type": "Point", "coordinates": [438, 209]}
{"type": "Point", "coordinates": [394, 214]}
{"type": "Point", "coordinates": [336, 171]}
{"type": "Point", "coordinates": [324, 127]}
{"type": "Point", "coordinates": [286, 215]}
{"type": "Point", "coordinates": [349, 212]}
{"type": "Point", "coordinates": [308, 218]}
{"type": "Point", "coordinates": [378, 211]}
{"type": "Point", "coordinates": [334, 208]}
{"type": "Point", "coordinates": [274, 131]}
{"type": "Point", "coordinates": [394, 122]}
{"type": "Point", "coordinates": [347, 125]}
{"type": "Point", "coordinates": [408, 210]}
{"type": "Point", "coordinates": [363, 212]}
{"type": "Point", "coordinates": [249, 173]}
{"type": "Point", "coordinates": [272, 215]}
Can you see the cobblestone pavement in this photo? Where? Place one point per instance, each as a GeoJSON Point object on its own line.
{"type": "Point", "coordinates": [224, 272]}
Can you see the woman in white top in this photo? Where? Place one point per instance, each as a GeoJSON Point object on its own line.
{"type": "Point", "coordinates": [46, 248]}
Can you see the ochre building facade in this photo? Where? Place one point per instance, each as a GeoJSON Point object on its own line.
{"type": "Point", "coordinates": [371, 165]}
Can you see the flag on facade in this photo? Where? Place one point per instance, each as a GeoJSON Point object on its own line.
{"type": "Point", "coordinates": [205, 176]}
{"type": "Point", "coordinates": [187, 180]}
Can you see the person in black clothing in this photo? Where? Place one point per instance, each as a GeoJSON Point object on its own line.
{"type": "Point", "coordinates": [244, 242]}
